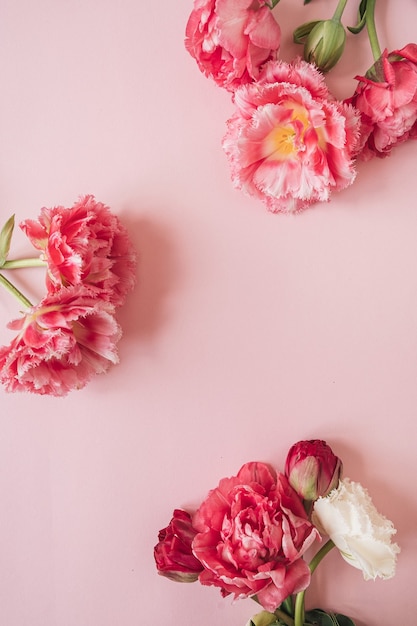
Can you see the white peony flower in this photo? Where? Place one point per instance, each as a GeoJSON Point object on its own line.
{"type": "Point", "coordinates": [348, 516]}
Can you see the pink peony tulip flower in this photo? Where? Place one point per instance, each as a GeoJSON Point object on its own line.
{"type": "Point", "coordinates": [312, 469]}
{"type": "Point", "coordinates": [232, 39]}
{"type": "Point", "coordinates": [290, 143]}
{"type": "Point", "coordinates": [252, 533]}
{"type": "Point", "coordinates": [62, 342]}
{"type": "Point", "coordinates": [387, 101]}
{"type": "Point", "coordinates": [85, 244]}
{"type": "Point", "coordinates": [173, 554]}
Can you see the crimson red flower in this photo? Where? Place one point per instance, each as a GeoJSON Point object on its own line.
{"type": "Point", "coordinates": [387, 100]}
{"type": "Point", "coordinates": [62, 342]}
{"type": "Point", "coordinates": [85, 244]}
{"type": "Point", "coordinates": [252, 532]}
{"type": "Point", "coordinates": [173, 554]}
{"type": "Point", "coordinates": [312, 468]}
{"type": "Point", "coordinates": [232, 39]}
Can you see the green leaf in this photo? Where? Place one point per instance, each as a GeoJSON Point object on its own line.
{"type": "Point", "coordinates": [5, 239]}
{"type": "Point", "coordinates": [344, 620]}
{"type": "Point", "coordinates": [361, 18]}
{"type": "Point", "coordinates": [271, 4]}
{"type": "Point", "coordinates": [317, 617]}
{"type": "Point", "coordinates": [302, 32]}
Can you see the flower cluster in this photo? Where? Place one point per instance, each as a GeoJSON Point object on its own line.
{"type": "Point", "coordinates": [71, 334]}
{"type": "Point", "coordinates": [290, 142]}
{"type": "Point", "coordinates": [250, 535]}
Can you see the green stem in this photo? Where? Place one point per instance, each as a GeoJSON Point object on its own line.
{"type": "Point", "coordinates": [288, 605]}
{"type": "Point", "coordinates": [371, 28]}
{"type": "Point", "coordinates": [18, 263]}
{"type": "Point", "coordinates": [299, 609]}
{"type": "Point", "coordinates": [284, 617]}
{"type": "Point", "coordinates": [299, 600]}
{"type": "Point", "coordinates": [13, 290]}
{"type": "Point", "coordinates": [339, 10]}
{"type": "Point", "coordinates": [329, 545]}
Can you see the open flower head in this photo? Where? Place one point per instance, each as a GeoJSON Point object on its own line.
{"type": "Point", "coordinates": [232, 39]}
{"type": "Point", "coordinates": [61, 343]}
{"type": "Point", "coordinates": [364, 536]}
{"type": "Point", "coordinates": [290, 143]}
{"type": "Point", "coordinates": [252, 531]}
{"type": "Point", "coordinates": [85, 244]}
{"type": "Point", "coordinates": [387, 100]}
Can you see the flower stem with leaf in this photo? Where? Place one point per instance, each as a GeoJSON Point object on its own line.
{"type": "Point", "coordinates": [299, 600]}
{"type": "Point", "coordinates": [6, 234]}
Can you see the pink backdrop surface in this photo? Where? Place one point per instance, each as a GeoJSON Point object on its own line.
{"type": "Point", "coordinates": [247, 332]}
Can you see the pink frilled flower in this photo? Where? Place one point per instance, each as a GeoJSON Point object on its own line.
{"type": "Point", "coordinates": [232, 39]}
{"type": "Point", "coordinates": [62, 342]}
{"type": "Point", "coordinates": [251, 533]}
{"type": "Point", "coordinates": [290, 143]}
{"type": "Point", "coordinates": [387, 101]}
{"type": "Point", "coordinates": [85, 244]}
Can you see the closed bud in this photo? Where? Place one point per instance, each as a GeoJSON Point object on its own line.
{"type": "Point", "coordinates": [264, 618]}
{"type": "Point", "coordinates": [325, 43]}
{"type": "Point", "coordinates": [313, 470]}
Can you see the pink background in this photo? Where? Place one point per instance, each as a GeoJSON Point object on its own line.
{"type": "Point", "coordinates": [248, 331]}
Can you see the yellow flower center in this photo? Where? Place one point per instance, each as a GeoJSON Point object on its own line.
{"type": "Point", "coordinates": [285, 141]}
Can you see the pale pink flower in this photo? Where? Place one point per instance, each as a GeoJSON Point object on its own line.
{"type": "Point", "coordinates": [85, 244]}
{"type": "Point", "coordinates": [252, 531]}
{"type": "Point", "coordinates": [232, 39]}
{"type": "Point", "coordinates": [290, 143]}
{"type": "Point", "coordinates": [387, 100]}
{"type": "Point", "coordinates": [61, 344]}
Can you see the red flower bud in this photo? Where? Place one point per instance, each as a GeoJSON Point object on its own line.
{"type": "Point", "coordinates": [312, 469]}
{"type": "Point", "coordinates": [173, 554]}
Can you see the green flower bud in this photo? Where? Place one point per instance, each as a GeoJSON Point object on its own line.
{"type": "Point", "coordinates": [264, 618]}
{"type": "Point", "coordinates": [324, 43]}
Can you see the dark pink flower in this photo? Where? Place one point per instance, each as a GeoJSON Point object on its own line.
{"type": "Point", "coordinates": [61, 344]}
{"type": "Point", "coordinates": [173, 554]}
{"type": "Point", "coordinates": [232, 39]}
{"type": "Point", "coordinates": [252, 532]}
{"type": "Point", "coordinates": [387, 100]}
{"type": "Point", "coordinates": [312, 469]}
{"type": "Point", "coordinates": [289, 142]}
{"type": "Point", "coordinates": [85, 244]}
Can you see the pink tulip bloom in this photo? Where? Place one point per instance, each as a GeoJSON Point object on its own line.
{"type": "Point", "coordinates": [62, 342]}
{"type": "Point", "coordinates": [312, 469]}
{"type": "Point", "coordinates": [173, 553]}
{"type": "Point", "coordinates": [232, 39]}
{"type": "Point", "coordinates": [387, 101]}
{"type": "Point", "coordinates": [290, 143]}
{"type": "Point", "coordinates": [85, 244]}
{"type": "Point", "coordinates": [252, 533]}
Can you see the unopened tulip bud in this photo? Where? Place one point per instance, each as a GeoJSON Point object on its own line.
{"type": "Point", "coordinates": [324, 42]}
{"type": "Point", "coordinates": [312, 469]}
